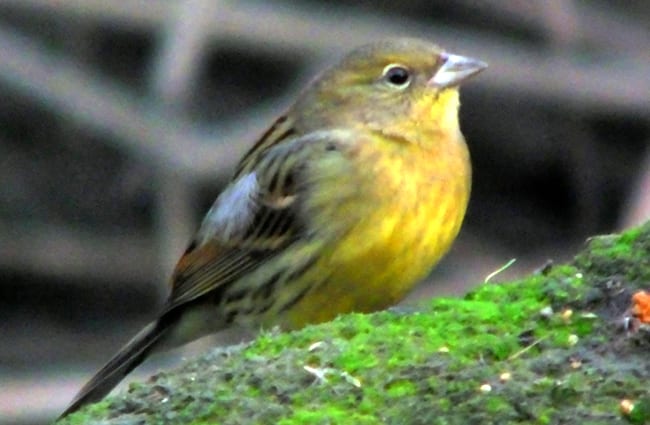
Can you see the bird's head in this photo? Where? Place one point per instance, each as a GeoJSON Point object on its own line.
{"type": "Point", "coordinates": [388, 85]}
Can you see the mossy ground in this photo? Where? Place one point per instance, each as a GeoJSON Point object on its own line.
{"type": "Point", "coordinates": [548, 349]}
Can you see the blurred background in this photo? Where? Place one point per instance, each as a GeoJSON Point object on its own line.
{"type": "Point", "coordinates": [121, 121]}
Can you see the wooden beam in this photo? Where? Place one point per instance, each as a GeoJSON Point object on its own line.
{"type": "Point", "coordinates": [58, 250]}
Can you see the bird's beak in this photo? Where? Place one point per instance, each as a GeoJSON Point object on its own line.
{"type": "Point", "coordinates": [454, 70]}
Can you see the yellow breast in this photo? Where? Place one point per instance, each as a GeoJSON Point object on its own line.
{"type": "Point", "coordinates": [408, 207]}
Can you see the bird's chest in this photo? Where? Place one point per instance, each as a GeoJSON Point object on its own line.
{"type": "Point", "coordinates": [384, 224]}
{"type": "Point", "coordinates": [409, 212]}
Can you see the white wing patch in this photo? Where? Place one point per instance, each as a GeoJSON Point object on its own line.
{"type": "Point", "coordinates": [233, 211]}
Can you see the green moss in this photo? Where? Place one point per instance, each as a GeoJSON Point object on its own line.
{"type": "Point", "coordinates": [86, 416]}
{"type": "Point", "coordinates": [400, 388]}
{"type": "Point", "coordinates": [557, 333]}
{"type": "Point", "coordinates": [328, 417]}
{"type": "Point", "coordinates": [621, 256]}
{"type": "Point", "coordinates": [641, 412]}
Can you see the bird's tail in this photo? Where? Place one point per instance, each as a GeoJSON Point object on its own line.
{"type": "Point", "coordinates": [122, 363]}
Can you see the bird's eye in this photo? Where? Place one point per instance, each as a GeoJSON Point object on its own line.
{"type": "Point", "coordinates": [397, 75]}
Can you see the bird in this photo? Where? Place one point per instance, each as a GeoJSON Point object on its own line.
{"type": "Point", "coordinates": [346, 202]}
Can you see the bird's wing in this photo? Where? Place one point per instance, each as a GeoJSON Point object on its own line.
{"type": "Point", "coordinates": [254, 218]}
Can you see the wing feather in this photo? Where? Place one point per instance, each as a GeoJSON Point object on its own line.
{"type": "Point", "coordinates": [256, 217]}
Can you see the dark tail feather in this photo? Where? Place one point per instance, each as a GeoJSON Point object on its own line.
{"type": "Point", "coordinates": [127, 359]}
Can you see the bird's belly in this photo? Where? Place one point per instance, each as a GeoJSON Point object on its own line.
{"type": "Point", "coordinates": [386, 252]}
